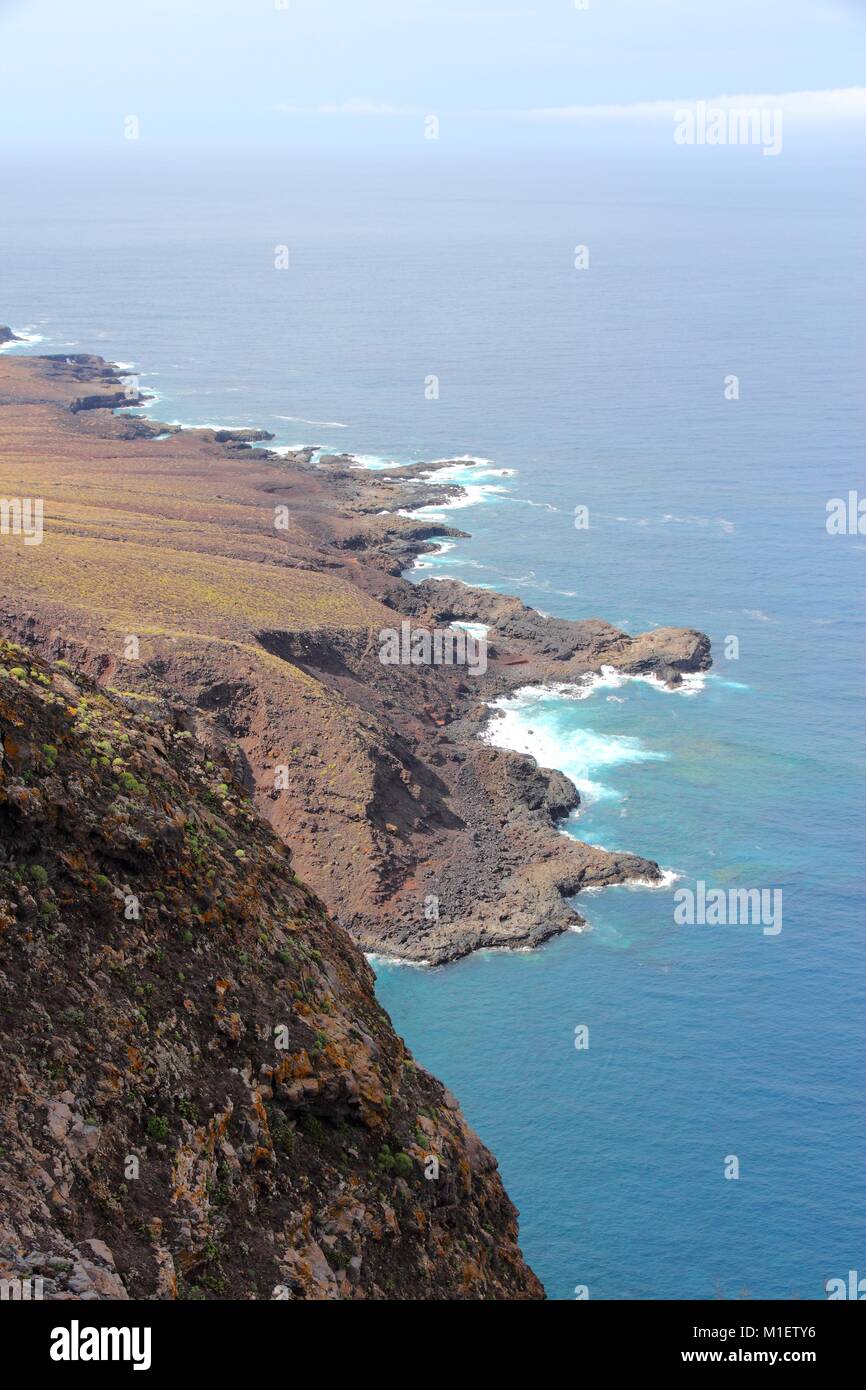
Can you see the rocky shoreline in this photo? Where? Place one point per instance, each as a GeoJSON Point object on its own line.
{"type": "Point", "coordinates": [424, 842]}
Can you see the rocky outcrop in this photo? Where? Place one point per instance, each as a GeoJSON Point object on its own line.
{"type": "Point", "coordinates": [7, 336]}
{"type": "Point", "coordinates": [199, 1095]}
{"type": "Point", "coordinates": [557, 649]}
{"type": "Point", "coordinates": [503, 875]}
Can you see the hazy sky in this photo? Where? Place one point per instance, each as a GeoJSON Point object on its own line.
{"type": "Point", "coordinates": [365, 71]}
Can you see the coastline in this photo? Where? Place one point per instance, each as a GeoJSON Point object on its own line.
{"type": "Point", "coordinates": [435, 812]}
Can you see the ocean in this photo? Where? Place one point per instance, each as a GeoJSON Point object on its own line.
{"type": "Point", "coordinates": [431, 308]}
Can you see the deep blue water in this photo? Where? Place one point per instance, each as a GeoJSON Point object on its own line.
{"type": "Point", "coordinates": [601, 388]}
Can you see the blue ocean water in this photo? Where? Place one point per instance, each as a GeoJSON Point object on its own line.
{"type": "Point", "coordinates": [604, 389]}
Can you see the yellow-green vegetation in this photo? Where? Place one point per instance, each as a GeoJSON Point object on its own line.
{"type": "Point", "coordinates": [171, 538]}
{"type": "Point", "coordinates": [132, 585]}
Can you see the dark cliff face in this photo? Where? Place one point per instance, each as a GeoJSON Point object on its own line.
{"type": "Point", "coordinates": [199, 1094]}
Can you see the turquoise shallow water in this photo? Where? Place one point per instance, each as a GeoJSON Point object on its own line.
{"type": "Point", "coordinates": [604, 390]}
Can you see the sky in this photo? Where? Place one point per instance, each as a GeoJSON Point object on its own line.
{"type": "Point", "coordinates": [365, 73]}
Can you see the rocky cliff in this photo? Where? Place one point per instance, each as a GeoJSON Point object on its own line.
{"type": "Point", "coordinates": [199, 1094]}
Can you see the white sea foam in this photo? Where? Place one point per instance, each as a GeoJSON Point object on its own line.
{"type": "Point", "coordinates": [429, 558]}
{"type": "Point", "coordinates": [377, 958]}
{"type": "Point", "coordinates": [609, 678]}
{"type": "Point", "coordinates": [374, 462]}
{"type": "Point", "coordinates": [212, 425]}
{"type": "Point", "coordinates": [528, 502]}
{"type": "Point", "coordinates": [531, 722]}
{"type": "Point", "coordinates": [474, 459]}
{"type": "Point", "coordinates": [471, 496]}
{"type": "Point", "coordinates": [693, 682]}
{"type": "Point", "coordinates": [465, 472]}
{"type": "Point", "coordinates": [668, 879]}
{"type": "Point", "coordinates": [460, 470]}
{"type": "Point", "coordinates": [488, 952]}
{"type": "Point", "coordinates": [730, 685]}
{"type": "Point", "coordinates": [150, 398]}
{"type": "Point", "coordinates": [24, 338]}
{"type": "Point", "coordinates": [325, 424]}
